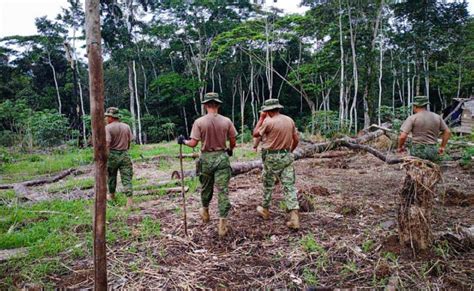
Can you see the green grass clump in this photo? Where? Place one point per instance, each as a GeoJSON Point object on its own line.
{"type": "Point", "coordinates": [33, 165]}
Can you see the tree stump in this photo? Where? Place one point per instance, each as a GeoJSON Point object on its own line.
{"type": "Point", "coordinates": [416, 203]}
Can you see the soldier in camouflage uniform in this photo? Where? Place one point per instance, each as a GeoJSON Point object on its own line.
{"type": "Point", "coordinates": [425, 127]}
{"type": "Point", "coordinates": [118, 137]}
{"type": "Point", "coordinates": [213, 130]}
{"type": "Point", "coordinates": [279, 139]}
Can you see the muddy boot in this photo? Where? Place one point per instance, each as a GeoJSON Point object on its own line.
{"type": "Point", "coordinates": [263, 212]}
{"type": "Point", "coordinates": [129, 203]}
{"type": "Point", "coordinates": [204, 212]}
{"type": "Point", "coordinates": [223, 228]}
{"type": "Point", "coordinates": [294, 222]}
{"type": "Point", "coordinates": [110, 196]}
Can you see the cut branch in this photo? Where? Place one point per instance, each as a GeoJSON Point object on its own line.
{"type": "Point", "coordinates": [43, 181]}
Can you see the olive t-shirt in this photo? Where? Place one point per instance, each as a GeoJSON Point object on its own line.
{"type": "Point", "coordinates": [213, 130]}
{"type": "Point", "coordinates": [118, 136]}
{"type": "Point", "coordinates": [425, 127]}
{"type": "Point", "coordinates": [277, 132]}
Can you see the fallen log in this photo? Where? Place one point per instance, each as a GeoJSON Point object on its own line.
{"type": "Point", "coordinates": [171, 190]}
{"type": "Point", "coordinates": [168, 157]}
{"type": "Point", "coordinates": [305, 151]}
{"type": "Point", "coordinates": [43, 181]}
{"type": "Point", "coordinates": [22, 192]}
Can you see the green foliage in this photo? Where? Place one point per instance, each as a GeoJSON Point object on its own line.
{"type": "Point", "coordinates": [467, 159]}
{"type": "Point", "coordinates": [325, 123]}
{"type": "Point", "coordinates": [49, 128]}
{"type": "Point", "coordinates": [367, 246]}
{"type": "Point", "coordinates": [310, 277]}
{"type": "Point", "coordinates": [310, 245]}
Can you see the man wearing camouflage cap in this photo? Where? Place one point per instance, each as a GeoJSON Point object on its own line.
{"type": "Point", "coordinates": [279, 139]}
{"type": "Point", "coordinates": [213, 130]}
{"type": "Point", "coordinates": [118, 137]}
{"type": "Point", "coordinates": [425, 127]}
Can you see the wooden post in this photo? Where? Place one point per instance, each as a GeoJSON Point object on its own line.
{"type": "Point", "coordinates": [96, 89]}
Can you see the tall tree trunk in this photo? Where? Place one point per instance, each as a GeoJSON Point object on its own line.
{"type": "Point", "coordinates": [426, 69]}
{"type": "Point", "coordinates": [268, 57]}
{"type": "Point", "coordinates": [55, 82]}
{"type": "Point", "coordinates": [341, 83]}
{"type": "Point", "coordinates": [137, 99]}
{"type": "Point", "coordinates": [355, 75]}
{"type": "Point", "coordinates": [458, 93]}
{"type": "Point", "coordinates": [96, 82]}
{"type": "Point", "coordinates": [380, 83]}
{"type": "Point", "coordinates": [132, 98]}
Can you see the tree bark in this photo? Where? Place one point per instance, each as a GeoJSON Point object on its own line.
{"type": "Point", "coordinates": [137, 100]}
{"type": "Point", "coordinates": [132, 98]}
{"type": "Point", "coordinates": [55, 82]}
{"type": "Point", "coordinates": [96, 81]}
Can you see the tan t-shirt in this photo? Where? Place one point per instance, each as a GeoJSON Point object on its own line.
{"type": "Point", "coordinates": [425, 127]}
{"type": "Point", "coordinates": [277, 132]}
{"type": "Point", "coordinates": [213, 130]}
{"type": "Point", "coordinates": [118, 136]}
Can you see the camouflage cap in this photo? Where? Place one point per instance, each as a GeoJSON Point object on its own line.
{"type": "Point", "coordinates": [112, 112]}
{"type": "Point", "coordinates": [271, 104]}
{"type": "Point", "coordinates": [420, 101]}
{"type": "Point", "coordinates": [211, 96]}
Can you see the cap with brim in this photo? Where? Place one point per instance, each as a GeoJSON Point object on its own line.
{"type": "Point", "coordinates": [112, 112]}
{"type": "Point", "coordinates": [271, 104]}
{"type": "Point", "coordinates": [211, 96]}
{"type": "Point", "coordinates": [420, 101]}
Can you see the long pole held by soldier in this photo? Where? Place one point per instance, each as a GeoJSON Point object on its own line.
{"type": "Point", "coordinates": [182, 189]}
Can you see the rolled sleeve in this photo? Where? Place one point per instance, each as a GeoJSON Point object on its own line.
{"type": "Point", "coordinates": [407, 126]}
{"type": "Point", "coordinates": [442, 126]}
{"type": "Point", "coordinates": [232, 131]}
{"type": "Point", "coordinates": [196, 132]}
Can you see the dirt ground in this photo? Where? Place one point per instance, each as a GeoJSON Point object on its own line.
{"type": "Point", "coordinates": [353, 224]}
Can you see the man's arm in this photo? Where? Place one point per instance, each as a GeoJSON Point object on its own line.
{"type": "Point", "coordinates": [256, 130]}
{"type": "Point", "coordinates": [401, 141]}
{"type": "Point", "coordinates": [191, 142]}
{"type": "Point", "coordinates": [444, 140]}
{"type": "Point", "coordinates": [232, 142]}
{"type": "Point", "coordinates": [296, 141]}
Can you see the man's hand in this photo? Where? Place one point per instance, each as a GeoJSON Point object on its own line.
{"type": "Point", "coordinates": [263, 115]}
{"type": "Point", "coordinates": [230, 152]}
{"type": "Point", "coordinates": [401, 150]}
{"type": "Point", "coordinates": [441, 150]}
{"type": "Point", "coordinates": [181, 139]}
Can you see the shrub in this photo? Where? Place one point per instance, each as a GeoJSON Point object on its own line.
{"type": "Point", "coordinates": [49, 128]}
{"type": "Point", "coordinates": [326, 123]}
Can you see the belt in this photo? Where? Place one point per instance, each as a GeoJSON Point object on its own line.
{"type": "Point", "coordinates": [284, 151]}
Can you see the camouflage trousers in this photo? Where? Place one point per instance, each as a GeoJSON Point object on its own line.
{"type": "Point", "coordinates": [214, 169]}
{"type": "Point", "coordinates": [120, 160]}
{"type": "Point", "coordinates": [279, 166]}
{"type": "Point", "coordinates": [425, 151]}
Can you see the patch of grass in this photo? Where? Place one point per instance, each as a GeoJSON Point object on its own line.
{"type": "Point", "coordinates": [390, 257]}
{"type": "Point", "coordinates": [33, 165]}
{"type": "Point", "coordinates": [310, 277]}
{"type": "Point", "coordinates": [367, 246]}
{"type": "Point", "coordinates": [467, 157]}
{"type": "Point", "coordinates": [349, 268]}
{"type": "Point", "coordinates": [55, 233]}
{"type": "Point", "coordinates": [310, 245]}
{"type": "Point", "coordinates": [149, 228]}
{"type": "Point", "coordinates": [73, 183]}
{"type": "Point", "coordinates": [138, 152]}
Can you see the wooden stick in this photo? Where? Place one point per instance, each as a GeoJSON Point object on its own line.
{"type": "Point", "coordinates": [182, 189]}
{"type": "Point", "coordinates": [96, 89]}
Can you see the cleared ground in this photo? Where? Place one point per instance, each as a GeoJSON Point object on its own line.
{"type": "Point", "coordinates": [349, 240]}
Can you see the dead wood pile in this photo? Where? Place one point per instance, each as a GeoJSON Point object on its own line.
{"type": "Point", "coordinates": [416, 203]}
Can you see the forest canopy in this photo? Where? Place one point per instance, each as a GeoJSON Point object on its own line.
{"type": "Point", "coordinates": [339, 67]}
